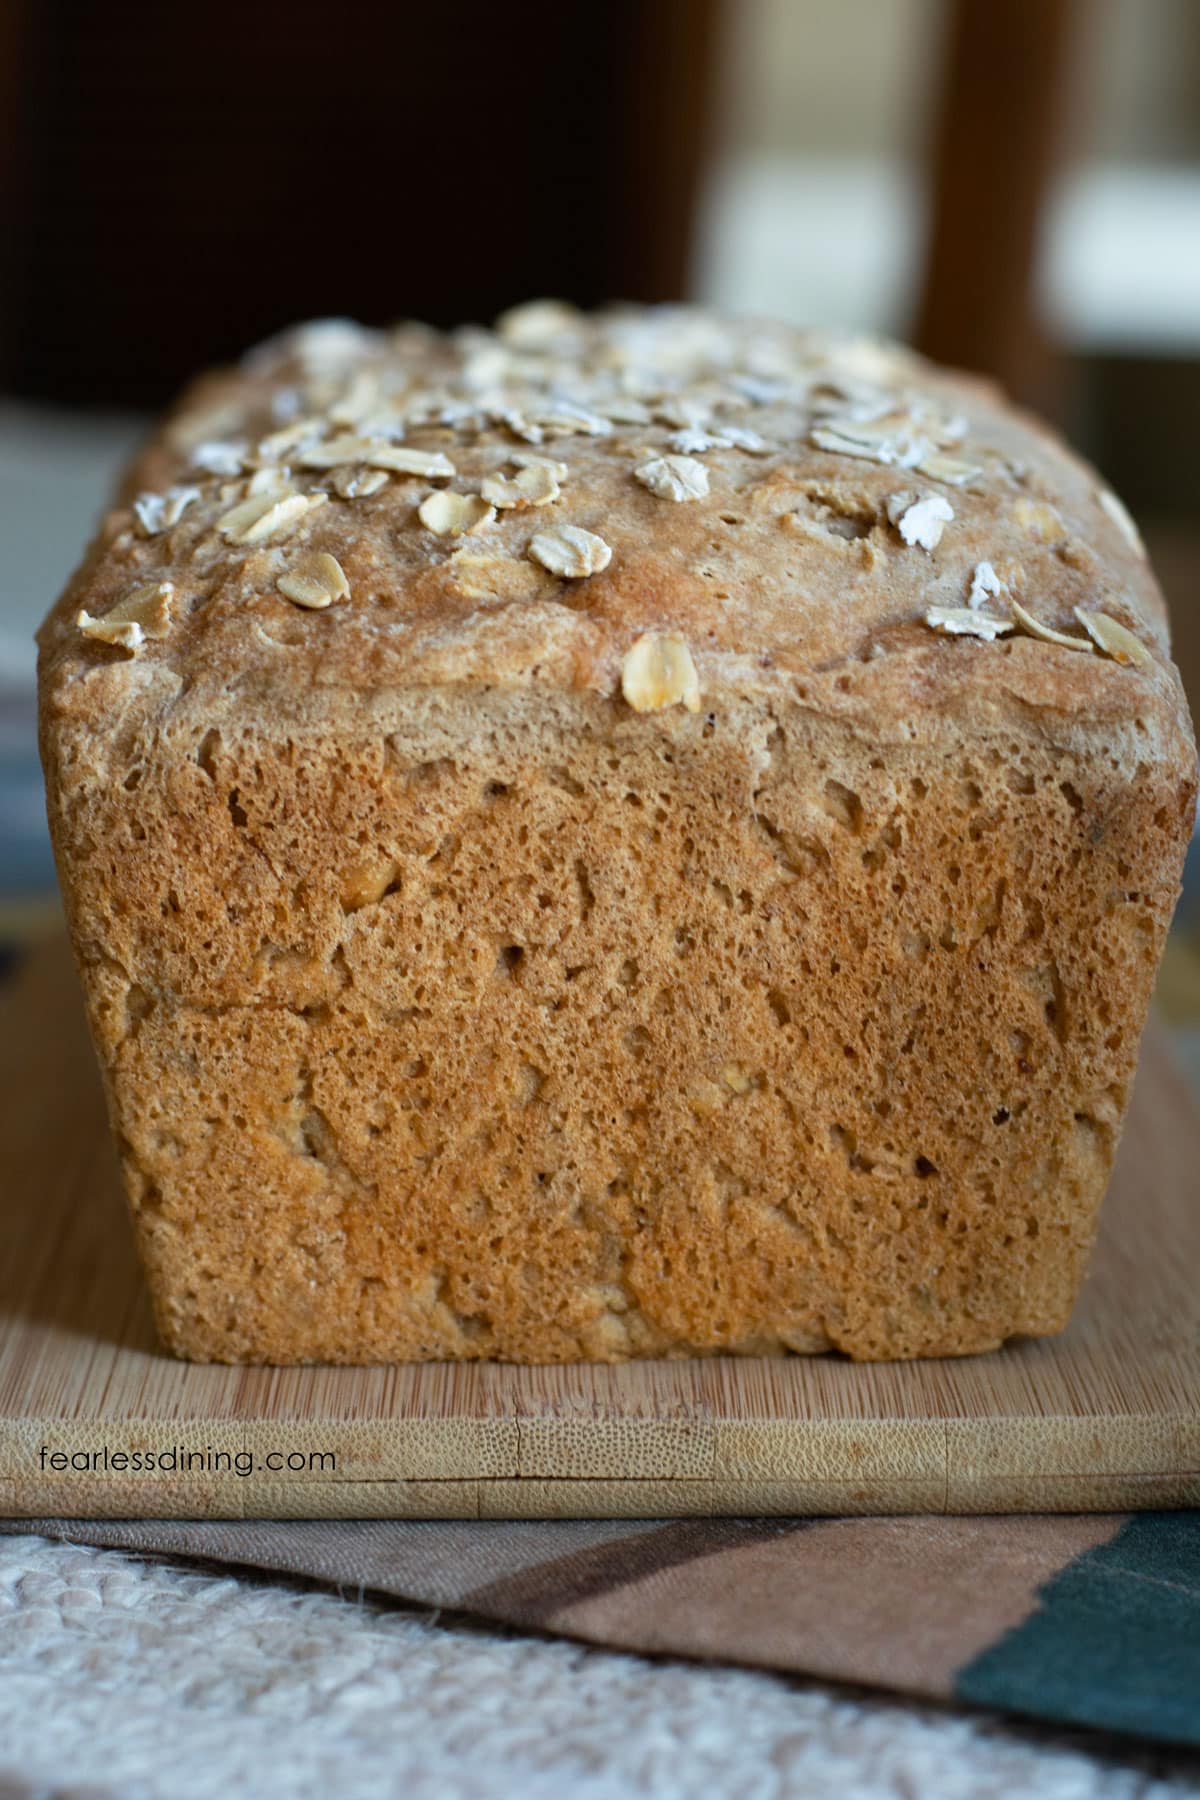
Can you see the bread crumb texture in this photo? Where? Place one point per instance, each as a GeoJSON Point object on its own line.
{"type": "Point", "coordinates": [613, 836]}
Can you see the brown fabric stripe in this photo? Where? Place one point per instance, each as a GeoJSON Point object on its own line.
{"type": "Point", "coordinates": [896, 1603]}
{"type": "Point", "coordinates": [536, 1594]}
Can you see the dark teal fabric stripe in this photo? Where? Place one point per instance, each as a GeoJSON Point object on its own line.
{"type": "Point", "coordinates": [1115, 1642]}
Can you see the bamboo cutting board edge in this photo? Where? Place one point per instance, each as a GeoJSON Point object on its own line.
{"type": "Point", "coordinates": [1105, 1417]}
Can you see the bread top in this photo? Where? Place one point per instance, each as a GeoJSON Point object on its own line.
{"type": "Point", "coordinates": [645, 504]}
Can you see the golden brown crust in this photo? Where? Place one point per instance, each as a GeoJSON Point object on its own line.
{"type": "Point", "coordinates": [788, 564]}
{"type": "Point", "coordinates": [705, 952]}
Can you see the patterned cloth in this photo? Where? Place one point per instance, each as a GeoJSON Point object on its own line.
{"type": "Point", "coordinates": [1082, 1621]}
{"type": "Point", "coordinates": [143, 1678]}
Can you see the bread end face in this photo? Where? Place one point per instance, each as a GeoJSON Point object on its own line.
{"type": "Point", "coordinates": [528, 1026]}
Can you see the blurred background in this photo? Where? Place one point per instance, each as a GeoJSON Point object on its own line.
{"type": "Point", "coordinates": [1013, 185]}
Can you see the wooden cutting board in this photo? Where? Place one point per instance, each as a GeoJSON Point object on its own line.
{"type": "Point", "coordinates": [1107, 1416]}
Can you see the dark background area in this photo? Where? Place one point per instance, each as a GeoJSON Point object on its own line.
{"type": "Point", "coordinates": [179, 181]}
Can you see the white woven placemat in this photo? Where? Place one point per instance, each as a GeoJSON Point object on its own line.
{"type": "Point", "coordinates": [122, 1677]}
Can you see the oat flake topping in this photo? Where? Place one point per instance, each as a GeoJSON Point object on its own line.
{"type": "Point", "coordinates": [1122, 518]}
{"type": "Point", "coordinates": [1115, 639]}
{"type": "Point", "coordinates": [920, 522]}
{"type": "Point", "coordinates": [570, 551]}
{"type": "Point", "coordinates": [315, 582]}
{"type": "Point", "coordinates": [158, 512]}
{"type": "Point", "coordinates": [674, 477]}
{"type": "Point", "coordinates": [1047, 633]}
{"type": "Point", "coordinates": [144, 613]}
{"type": "Point", "coordinates": [658, 671]}
{"type": "Point", "coordinates": [959, 621]}
{"type": "Point", "coordinates": [534, 485]}
{"type": "Point", "coordinates": [452, 514]}
{"type": "Point", "coordinates": [338, 442]}
{"type": "Point", "coordinates": [985, 585]}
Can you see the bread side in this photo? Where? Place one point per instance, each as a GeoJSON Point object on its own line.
{"type": "Point", "coordinates": [534, 1030]}
{"type": "Point", "coordinates": [460, 992]}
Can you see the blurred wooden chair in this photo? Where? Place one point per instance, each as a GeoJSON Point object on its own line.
{"type": "Point", "coordinates": [1001, 126]}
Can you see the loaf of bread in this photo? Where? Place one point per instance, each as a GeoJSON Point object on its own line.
{"type": "Point", "coordinates": [614, 836]}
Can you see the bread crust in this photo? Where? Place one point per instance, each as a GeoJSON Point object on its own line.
{"type": "Point", "coordinates": [449, 1006]}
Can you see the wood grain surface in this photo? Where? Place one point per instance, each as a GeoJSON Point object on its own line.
{"type": "Point", "coordinates": [1107, 1416]}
